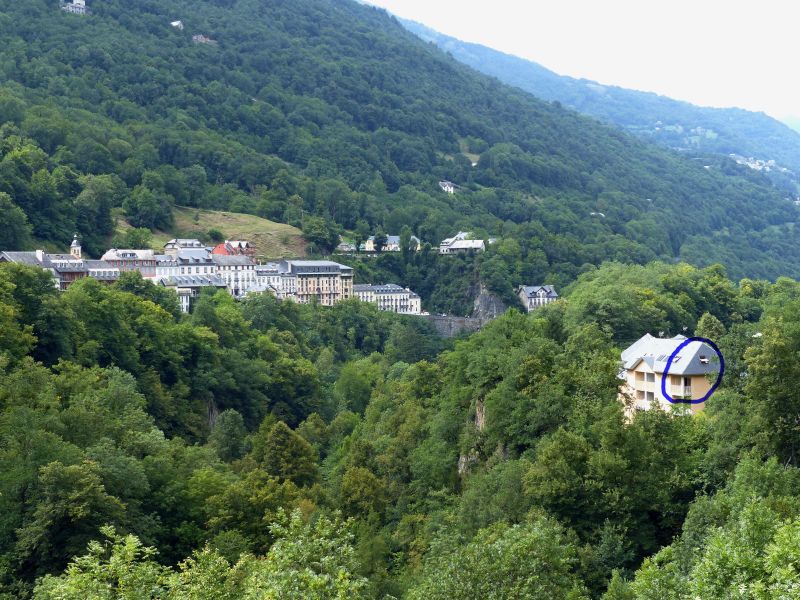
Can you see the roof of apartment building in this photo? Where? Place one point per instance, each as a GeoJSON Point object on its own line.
{"type": "Point", "coordinates": [460, 236]}
{"type": "Point", "coordinates": [383, 288]}
{"type": "Point", "coordinates": [270, 267]}
{"type": "Point", "coordinates": [128, 254]}
{"type": "Point", "coordinates": [166, 260]}
{"type": "Point", "coordinates": [194, 256]}
{"type": "Point", "coordinates": [696, 358]}
{"type": "Point", "coordinates": [533, 290]}
{"type": "Point", "coordinates": [190, 281]}
{"type": "Point", "coordinates": [25, 258]}
{"type": "Point", "coordinates": [100, 269]}
{"type": "Point", "coordinates": [231, 260]}
{"type": "Point", "coordinates": [314, 266]}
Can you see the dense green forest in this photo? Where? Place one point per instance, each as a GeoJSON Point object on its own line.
{"type": "Point", "coordinates": [330, 116]}
{"type": "Point", "coordinates": [672, 123]}
{"type": "Point", "coordinates": [267, 449]}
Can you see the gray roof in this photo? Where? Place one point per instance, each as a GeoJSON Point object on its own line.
{"type": "Point", "coordinates": [193, 281]}
{"type": "Point", "coordinates": [100, 269]}
{"type": "Point", "coordinates": [268, 268]}
{"type": "Point", "coordinates": [63, 257]}
{"type": "Point", "coordinates": [128, 254]}
{"type": "Point", "coordinates": [533, 290]}
{"type": "Point", "coordinates": [66, 263]}
{"type": "Point", "coordinates": [381, 288]}
{"type": "Point", "coordinates": [394, 239]}
{"type": "Point", "coordinates": [194, 256]}
{"type": "Point", "coordinates": [314, 266]}
{"type": "Point", "coordinates": [99, 264]}
{"type": "Point", "coordinates": [696, 358]}
{"type": "Point", "coordinates": [24, 258]}
{"type": "Point", "coordinates": [235, 259]}
{"type": "Point", "coordinates": [184, 243]}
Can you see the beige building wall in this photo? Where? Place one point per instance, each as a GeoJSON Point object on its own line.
{"type": "Point", "coordinates": [642, 389]}
{"type": "Point", "coordinates": [327, 288]}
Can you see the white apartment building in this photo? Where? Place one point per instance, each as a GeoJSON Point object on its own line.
{"type": "Point", "coordinates": [166, 266]}
{"type": "Point", "coordinates": [389, 297]}
{"type": "Point", "coordinates": [238, 271]}
{"type": "Point", "coordinates": [143, 261]}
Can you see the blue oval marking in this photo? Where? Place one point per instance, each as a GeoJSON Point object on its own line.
{"type": "Point", "coordinates": [683, 344]}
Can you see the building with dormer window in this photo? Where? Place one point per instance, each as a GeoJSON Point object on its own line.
{"type": "Point", "coordinates": [535, 296]}
{"type": "Point", "coordinates": [644, 364]}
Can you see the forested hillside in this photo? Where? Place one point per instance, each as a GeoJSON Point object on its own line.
{"type": "Point", "coordinates": [265, 449]}
{"type": "Point", "coordinates": [327, 115]}
{"type": "Point", "coordinates": [692, 129]}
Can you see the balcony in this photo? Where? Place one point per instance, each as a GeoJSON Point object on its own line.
{"type": "Point", "coordinates": [681, 392]}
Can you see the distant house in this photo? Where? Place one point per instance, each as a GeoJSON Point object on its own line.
{"type": "Point", "coordinates": [534, 296]}
{"type": "Point", "coordinates": [389, 297]}
{"type": "Point", "coordinates": [644, 363]}
{"type": "Point", "coordinates": [345, 248]}
{"type": "Point", "coordinates": [175, 245]}
{"type": "Point", "coordinates": [460, 243]}
{"type": "Point", "coordinates": [235, 248]}
{"type": "Point", "coordinates": [201, 39]}
{"type": "Point", "coordinates": [76, 7]}
{"type": "Point", "coordinates": [392, 244]}
{"type": "Point", "coordinates": [177, 25]}
{"type": "Point", "coordinates": [448, 187]}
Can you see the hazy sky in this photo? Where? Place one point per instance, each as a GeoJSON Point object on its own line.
{"type": "Point", "coordinates": [709, 52]}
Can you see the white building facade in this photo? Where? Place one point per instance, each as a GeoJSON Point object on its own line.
{"type": "Point", "coordinates": [390, 297]}
{"type": "Point", "coordinates": [238, 272]}
{"type": "Point", "coordinates": [535, 296]}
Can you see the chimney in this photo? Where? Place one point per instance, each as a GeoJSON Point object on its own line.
{"type": "Point", "coordinates": [40, 255]}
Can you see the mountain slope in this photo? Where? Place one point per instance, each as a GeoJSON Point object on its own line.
{"type": "Point", "coordinates": [674, 123]}
{"type": "Point", "coordinates": [330, 108]}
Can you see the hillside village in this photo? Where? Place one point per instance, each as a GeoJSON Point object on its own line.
{"type": "Point", "coordinates": [188, 266]}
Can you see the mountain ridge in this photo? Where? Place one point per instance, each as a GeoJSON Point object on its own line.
{"type": "Point", "coordinates": [675, 123]}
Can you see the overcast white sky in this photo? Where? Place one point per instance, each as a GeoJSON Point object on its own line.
{"type": "Point", "coordinates": [709, 52]}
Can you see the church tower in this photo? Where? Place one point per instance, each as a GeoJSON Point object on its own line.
{"type": "Point", "coordinates": [75, 247]}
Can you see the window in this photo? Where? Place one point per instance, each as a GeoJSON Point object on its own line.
{"type": "Point", "coordinates": [650, 377]}
{"type": "Point", "coordinates": [649, 396]}
{"type": "Point", "coordinates": [639, 395]}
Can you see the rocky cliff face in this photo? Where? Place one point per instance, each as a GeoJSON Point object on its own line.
{"type": "Point", "coordinates": [487, 306]}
